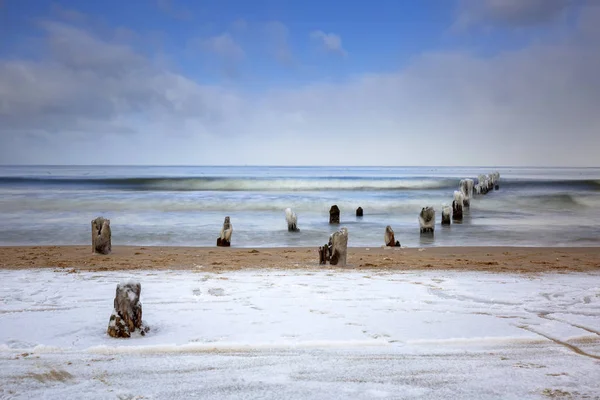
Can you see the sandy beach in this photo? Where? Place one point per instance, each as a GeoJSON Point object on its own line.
{"type": "Point", "coordinates": [492, 259]}
{"type": "Point", "coordinates": [302, 333]}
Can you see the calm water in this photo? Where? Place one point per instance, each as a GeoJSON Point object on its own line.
{"type": "Point", "coordinates": [186, 205]}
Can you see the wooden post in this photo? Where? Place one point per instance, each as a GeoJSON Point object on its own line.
{"type": "Point", "coordinates": [292, 220]}
{"type": "Point", "coordinates": [457, 206]}
{"type": "Point", "coordinates": [339, 251]}
{"type": "Point", "coordinates": [446, 211]}
{"type": "Point", "coordinates": [389, 239]}
{"type": "Point", "coordinates": [127, 313]}
{"type": "Point", "coordinates": [101, 236]}
{"type": "Point", "coordinates": [224, 239]}
{"type": "Point", "coordinates": [334, 214]}
{"type": "Point", "coordinates": [427, 220]}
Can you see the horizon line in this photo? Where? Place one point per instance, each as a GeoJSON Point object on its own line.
{"type": "Point", "coordinates": [296, 166]}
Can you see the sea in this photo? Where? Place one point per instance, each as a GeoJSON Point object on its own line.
{"type": "Point", "coordinates": [186, 205]}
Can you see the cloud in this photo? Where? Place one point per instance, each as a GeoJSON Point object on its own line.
{"type": "Point", "coordinates": [169, 8]}
{"type": "Point", "coordinates": [277, 34]}
{"type": "Point", "coordinates": [225, 54]}
{"type": "Point", "coordinates": [95, 87]}
{"type": "Point", "coordinates": [224, 46]}
{"type": "Point", "coordinates": [510, 13]}
{"type": "Point", "coordinates": [330, 42]}
{"type": "Point", "coordinates": [92, 100]}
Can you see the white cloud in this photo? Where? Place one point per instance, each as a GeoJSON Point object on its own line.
{"type": "Point", "coordinates": [225, 46]}
{"type": "Point", "coordinates": [97, 101]}
{"type": "Point", "coordinates": [91, 85]}
{"type": "Point", "coordinates": [330, 42]}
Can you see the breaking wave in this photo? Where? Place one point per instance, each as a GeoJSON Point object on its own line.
{"type": "Point", "coordinates": [231, 184]}
{"type": "Point", "coordinates": [239, 184]}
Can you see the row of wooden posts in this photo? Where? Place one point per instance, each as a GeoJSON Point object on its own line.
{"type": "Point", "coordinates": [334, 251]}
{"type": "Point", "coordinates": [330, 252]}
{"type": "Point", "coordinates": [461, 199]}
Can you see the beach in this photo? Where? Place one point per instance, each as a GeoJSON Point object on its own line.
{"type": "Point", "coordinates": [298, 333]}
{"type": "Point", "coordinates": [491, 259]}
{"type": "Point", "coordinates": [509, 294]}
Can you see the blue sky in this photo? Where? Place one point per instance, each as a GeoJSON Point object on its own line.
{"type": "Point", "coordinates": [377, 37]}
{"type": "Point", "coordinates": [385, 82]}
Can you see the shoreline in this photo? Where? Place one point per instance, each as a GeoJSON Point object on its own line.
{"type": "Point", "coordinates": [215, 259]}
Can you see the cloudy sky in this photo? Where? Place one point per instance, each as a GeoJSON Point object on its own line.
{"type": "Point", "coordinates": [290, 82]}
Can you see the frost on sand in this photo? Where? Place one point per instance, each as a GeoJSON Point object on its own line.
{"type": "Point", "coordinates": [303, 334]}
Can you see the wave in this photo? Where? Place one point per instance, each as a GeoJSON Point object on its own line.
{"type": "Point", "coordinates": [585, 184]}
{"type": "Point", "coordinates": [59, 210]}
{"type": "Point", "coordinates": [287, 184]}
{"type": "Point", "coordinates": [173, 204]}
{"type": "Point", "coordinates": [238, 184]}
{"type": "Point", "coordinates": [537, 202]}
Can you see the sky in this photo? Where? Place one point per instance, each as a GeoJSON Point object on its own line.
{"type": "Point", "coordinates": [290, 82]}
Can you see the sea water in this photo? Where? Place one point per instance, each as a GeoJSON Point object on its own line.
{"type": "Point", "coordinates": [53, 205]}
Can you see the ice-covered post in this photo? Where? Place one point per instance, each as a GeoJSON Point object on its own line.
{"type": "Point", "coordinates": [101, 241]}
{"type": "Point", "coordinates": [483, 184]}
{"type": "Point", "coordinates": [292, 220]}
{"type": "Point", "coordinates": [334, 214]}
{"type": "Point", "coordinates": [446, 211]}
{"type": "Point", "coordinates": [224, 239]}
{"type": "Point", "coordinates": [126, 317]}
{"type": "Point", "coordinates": [339, 247]}
{"type": "Point", "coordinates": [466, 188]}
{"type": "Point", "coordinates": [496, 179]}
{"type": "Point", "coordinates": [427, 220]}
{"type": "Point", "coordinates": [490, 182]}
{"type": "Point", "coordinates": [457, 206]}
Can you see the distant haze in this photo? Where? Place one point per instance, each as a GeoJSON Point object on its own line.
{"type": "Point", "coordinates": [484, 82]}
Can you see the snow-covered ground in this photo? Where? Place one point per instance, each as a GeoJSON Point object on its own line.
{"type": "Point", "coordinates": [303, 334]}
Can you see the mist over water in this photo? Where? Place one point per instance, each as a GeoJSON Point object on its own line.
{"type": "Point", "coordinates": [187, 205]}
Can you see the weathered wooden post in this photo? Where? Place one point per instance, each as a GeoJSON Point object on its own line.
{"type": "Point", "coordinates": [126, 317]}
{"type": "Point", "coordinates": [457, 206]}
{"type": "Point", "coordinates": [427, 220]}
{"type": "Point", "coordinates": [482, 181]}
{"type": "Point", "coordinates": [224, 239]}
{"type": "Point", "coordinates": [446, 211]}
{"type": "Point", "coordinates": [334, 214]}
{"type": "Point", "coordinates": [101, 237]}
{"type": "Point", "coordinates": [292, 220]}
{"type": "Point", "coordinates": [466, 188]}
{"type": "Point", "coordinates": [496, 179]}
{"type": "Point", "coordinates": [389, 239]}
{"type": "Point", "coordinates": [323, 254]}
{"type": "Point", "coordinates": [339, 247]}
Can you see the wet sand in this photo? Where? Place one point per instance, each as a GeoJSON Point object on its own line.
{"type": "Point", "coordinates": [491, 259]}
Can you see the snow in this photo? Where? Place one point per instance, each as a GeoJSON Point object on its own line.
{"type": "Point", "coordinates": [302, 334]}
